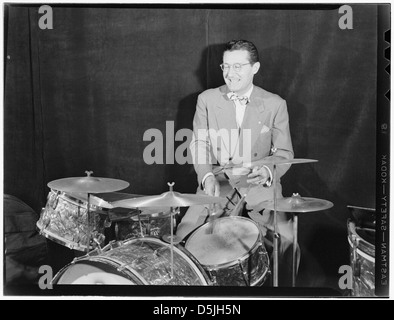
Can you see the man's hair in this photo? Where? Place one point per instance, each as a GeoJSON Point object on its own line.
{"type": "Point", "coordinates": [243, 45]}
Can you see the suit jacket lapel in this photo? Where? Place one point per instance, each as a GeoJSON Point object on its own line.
{"type": "Point", "coordinates": [252, 118]}
{"type": "Point", "coordinates": [225, 118]}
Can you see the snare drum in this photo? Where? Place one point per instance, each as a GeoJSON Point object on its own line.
{"type": "Point", "coordinates": [362, 259]}
{"type": "Point", "coordinates": [231, 251]}
{"type": "Point", "coordinates": [64, 220]}
{"type": "Point", "coordinates": [144, 261]}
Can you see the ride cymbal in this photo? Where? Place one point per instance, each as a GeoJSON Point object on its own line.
{"type": "Point", "coordinates": [88, 184]}
{"type": "Point", "coordinates": [296, 203]}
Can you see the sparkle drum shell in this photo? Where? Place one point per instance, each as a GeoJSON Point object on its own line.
{"type": "Point", "coordinates": [142, 261]}
{"type": "Point", "coordinates": [64, 220]}
{"type": "Point", "coordinates": [153, 222]}
{"type": "Point", "coordinates": [231, 251]}
{"type": "Point", "coordinates": [362, 259]}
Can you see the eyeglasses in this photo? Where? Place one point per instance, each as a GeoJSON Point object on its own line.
{"type": "Point", "coordinates": [237, 66]}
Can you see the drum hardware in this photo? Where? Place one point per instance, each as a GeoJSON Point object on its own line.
{"type": "Point", "coordinates": [356, 260]}
{"type": "Point", "coordinates": [173, 200]}
{"type": "Point", "coordinates": [246, 168]}
{"type": "Point", "coordinates": [107, 223]}
{"type": "Point", "coordinates": [296, 204]}
{"type": "Point", "coordinates": [56, 201]}
{"type": "Point", "coordinates": [275, 162]}
{"type": "Point", "coordinates": [244, 273]}
{"type": "Point", "coordinates": [140, 223]}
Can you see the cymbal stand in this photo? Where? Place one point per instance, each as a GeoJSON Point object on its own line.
{"type": "Point", "coordinates": [295, 241]}
{"type": "Point", "coordinates": [90, 221]}
{"type": "Point", "coordinates": [88, 218]}
{"type": "Point", "coordinates": [276, 235]}
{"type": "Point", "coordinates": [140, 224]}
{"type": "Point", "coordinates": [171, 185]}
{"type": "Point", "coordinates": [172, 241]}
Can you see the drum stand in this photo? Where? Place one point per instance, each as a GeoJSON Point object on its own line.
{"type": "Point", "coordinates": [276, 234]}
{"type": "Point", "coordinates": [170, 238]}
{"type": "Point", "coordinates": [276, 237]}
{"type": "Point", "coordinates": [295, 241]}
{"type": "Point", "coordinates": [89, 224]}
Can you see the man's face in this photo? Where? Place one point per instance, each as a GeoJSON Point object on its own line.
{"type": "Point", "coordinates": [239, 81]}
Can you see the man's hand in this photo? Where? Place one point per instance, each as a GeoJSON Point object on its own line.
{"type": "Point", "coordinates": [258, 176]}
{"type": "Point", "coordinates": [211, 186]}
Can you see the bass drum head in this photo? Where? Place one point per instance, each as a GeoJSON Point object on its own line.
{"type": "Point", "coordinates": [223, 240]}
{"type": "Point", "coordinates": [91, 274]}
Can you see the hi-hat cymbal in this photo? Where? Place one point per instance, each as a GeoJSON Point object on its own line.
{"type": "Point", "coordinates": [168, 199]}
{"type": "Point", "coordinates": [88, 184]}
{"type": "Point", "coordinates": [296, 203]}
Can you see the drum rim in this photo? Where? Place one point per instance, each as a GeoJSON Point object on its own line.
{"type": "Point", "coordinates": [353, 233]}
{"type": "Point", "coordinates": [75, 201]}
{"type": "Point", "coordinates": [362, 253]}
{"type": "Point", "coordinates": [87, 259]}
{"type": "Point", "coordinates": [252, 250]}
{"type": "Point", "coordinates": [55, 238]}
{"type": "Point", "coordinates": [262, 278]}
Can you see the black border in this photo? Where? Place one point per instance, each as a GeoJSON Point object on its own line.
{"type": "Point", "coordinates": [383, 126]}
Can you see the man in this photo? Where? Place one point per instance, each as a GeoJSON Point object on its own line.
{"type": "Point", "coordinates": [237, 125]}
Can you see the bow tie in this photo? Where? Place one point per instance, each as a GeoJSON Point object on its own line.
{"type": "Point", "coordinates": [242, 99]}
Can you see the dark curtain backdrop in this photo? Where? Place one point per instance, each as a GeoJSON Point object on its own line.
{"type": "Point", "coordinates": [80, 97]}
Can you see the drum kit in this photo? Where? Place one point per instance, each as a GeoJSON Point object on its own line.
{"type": "Point", "coordinates": [225, 251]}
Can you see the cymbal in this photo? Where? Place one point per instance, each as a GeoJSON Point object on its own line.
{"type": "Point", "coordinates": [88, 184]}
{"type": "Point", "coordinates": [106, 199]}
{"type": "Point", "coordinates": [246, 168]}
{"type": "Point", "coordinates": [296, 203]}
{"type": "Point", "coordinates": [168, 199]}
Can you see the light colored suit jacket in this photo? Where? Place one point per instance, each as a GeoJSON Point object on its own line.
{"type": "Point", "coordinates": [265, 135]}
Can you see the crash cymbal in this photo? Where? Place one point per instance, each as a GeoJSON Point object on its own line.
{"type": "Point", "coordinates": [88, 184]}
{"type": "Point", "coordinates": [246, 168]}
{"type": "Point", "coordinates": [296, 203]}
{"type": "Point", "coordinates": [168, 199]}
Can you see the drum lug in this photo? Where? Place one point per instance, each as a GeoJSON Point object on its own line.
{"type": "Point", "coordinates": [107, 223]}
{"type": "Point", "coordinates": [109, 246]}
{"type": "Point", "coordinates": [212, 277]}
{"type": "Point", "coordinates": [56, 201]}
{"type": "Point", "coordinates": [261, 248]}
{"type": "Point", "coordinates": [244, 273]}
{"type": "Point", "coordinates": [356, 261]}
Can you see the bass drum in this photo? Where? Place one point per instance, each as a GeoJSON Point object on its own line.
{"type": "Point", "coordinates": [142, 261]}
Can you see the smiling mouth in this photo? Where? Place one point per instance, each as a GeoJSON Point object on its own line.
{"type": "Point", "coordinates": [233, 81]}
